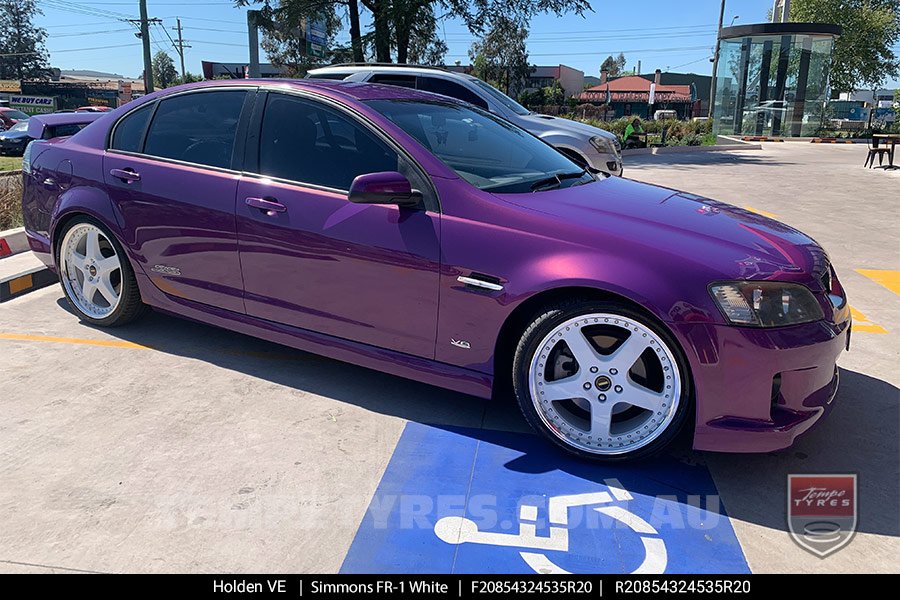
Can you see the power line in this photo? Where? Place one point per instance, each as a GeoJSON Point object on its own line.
{"type": "Point", "coordinates": [81, 33]}
{"type": "Point", "coordinates": [75, 25]}
{"type": "Point", "coordinates": [208, 20]}
{"type": "Point", "coordinates": [599, 52]}
{"type": "Point", "coordinates": [95, 48]}
{"type": "Point", "coordinates": [85, 10]}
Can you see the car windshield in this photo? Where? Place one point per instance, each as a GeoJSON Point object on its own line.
{"type": "Point", "coordinates": [16, 114]}
{"type": "Point", "coordinates": [489, 153]}
{"type": "Point", "coordinates": [501, 97]}
{"type": "Point", "coordinates": [20, 126]}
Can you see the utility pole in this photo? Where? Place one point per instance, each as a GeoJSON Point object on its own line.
{"type": "Point", "coordinates": [253, 42]}
{"type": "Point", "coordinates": [180, 45]}
{"type": "Point", "coordinates": [712, 83]}
{"type": "Point", "coordinates": [145, 40]}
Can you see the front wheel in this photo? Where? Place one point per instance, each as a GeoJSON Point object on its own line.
{"type": "Point", "coordinates": [601, 380]}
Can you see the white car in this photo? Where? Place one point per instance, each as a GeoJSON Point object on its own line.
{"type": "Point", "coordinates": [587, 145]}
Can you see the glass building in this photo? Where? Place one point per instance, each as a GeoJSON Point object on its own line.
{"type": "Point", "coordinates": [772, 79]}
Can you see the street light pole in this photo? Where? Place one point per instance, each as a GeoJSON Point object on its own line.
{"type": "Point", "coordinates": [712, 83]}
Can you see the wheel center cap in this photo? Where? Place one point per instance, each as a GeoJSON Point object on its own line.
{"type": "Point", "coordinates": [603, 383]}
{"type": "Point", "coordinates": [93, 271]}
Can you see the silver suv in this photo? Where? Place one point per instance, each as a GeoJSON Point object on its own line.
{"type": "Point", "coordinates": [583, 143]}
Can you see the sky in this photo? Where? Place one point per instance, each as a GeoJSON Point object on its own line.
{"type": "Point", "coordinates": [663, 34]}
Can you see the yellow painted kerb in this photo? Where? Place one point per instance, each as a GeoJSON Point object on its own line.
{"type": "Point", "coordinates": [20, 283]}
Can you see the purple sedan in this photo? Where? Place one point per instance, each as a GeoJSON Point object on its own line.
{"type": "Point", "coordinates": [423, 237]}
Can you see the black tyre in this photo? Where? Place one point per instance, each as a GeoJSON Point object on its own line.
{"type": "Point", "coordinates": [95, 274]}
{"type": "Point", "coordinates": [601, 381]}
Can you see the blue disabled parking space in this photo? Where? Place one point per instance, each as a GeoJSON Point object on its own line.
{"type": "Point", "coordinates": [455, 500]}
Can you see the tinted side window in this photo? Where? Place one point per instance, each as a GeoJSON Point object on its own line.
{"type": "Point", "coordinates": [407, 81]}
{"type": "Point", "coordinates": [130, 130]}
{"type": "Point", "coordinates": [196, 128]}
{"type": "Point", "coordinates": [64, 130]}
{"type": "Point", "coordinates": [307, 142]}
{"type": "Point", "coordinates": [449, 88]}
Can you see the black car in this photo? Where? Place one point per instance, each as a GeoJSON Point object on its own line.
{"type": "Point", "coordinates": [14, 139]}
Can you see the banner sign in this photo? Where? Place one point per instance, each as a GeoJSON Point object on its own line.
{"type": "Point", "coordinates": [33, 105]}
{"type": "Point", "coordinates": [10, 85]}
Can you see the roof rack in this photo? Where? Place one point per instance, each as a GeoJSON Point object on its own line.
{"type": "Point", "coordinates": [379, 64]}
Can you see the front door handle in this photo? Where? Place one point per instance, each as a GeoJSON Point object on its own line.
{"type": "Point", "coordinates": [269, 205]}
{"type": "Point", "coordinates": [127, 175]}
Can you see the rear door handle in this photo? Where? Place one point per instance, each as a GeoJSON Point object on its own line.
{"type": "Point", "coordinates": [269, 205]}
{"type": "Point", "coordinates": [126, 175]}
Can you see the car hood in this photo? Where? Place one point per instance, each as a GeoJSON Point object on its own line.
{"type": "Point", "coordinates": [726, 241]}
{"type": "Point", "coordinates": [13, 135]}
{"type": "Point", "coordinates": [537, 123]}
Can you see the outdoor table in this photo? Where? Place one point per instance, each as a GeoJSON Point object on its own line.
{"type": "Point", "coordinates": [892, 139]}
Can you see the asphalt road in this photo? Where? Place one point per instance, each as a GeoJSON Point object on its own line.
{"type": "Point", "coordinates": [172, 446]}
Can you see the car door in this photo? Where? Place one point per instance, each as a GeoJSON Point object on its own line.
{"type": "Point", "coordinates": [312, 259]}
{"type": "Point", "coordinates": [171, 173]}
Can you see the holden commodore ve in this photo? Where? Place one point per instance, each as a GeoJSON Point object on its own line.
{"type": "Point", "coordinates": [424, 237]}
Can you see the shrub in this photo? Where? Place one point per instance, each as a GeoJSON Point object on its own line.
{"type": "Point", "coordinates": [10, 201]}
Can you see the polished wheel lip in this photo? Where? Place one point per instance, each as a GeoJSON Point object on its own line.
{"type": "Point", "coordinates": [619, 443]}
{"type": "Point", "coordinates": [90, 264]}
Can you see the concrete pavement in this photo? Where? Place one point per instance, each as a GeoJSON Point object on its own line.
{"type": "Point", "coordinates": [172, 446]}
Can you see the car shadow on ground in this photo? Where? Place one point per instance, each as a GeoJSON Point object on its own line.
{"type": "Point", "coordinates": [689, 159]}
{"type": "Point", "coordinates": [861, 435]}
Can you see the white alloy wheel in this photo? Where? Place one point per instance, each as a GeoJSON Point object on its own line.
{"type": "Point", "coordinates": [91, 270]}
{"type": "Point", "coordinates": [605, 384]}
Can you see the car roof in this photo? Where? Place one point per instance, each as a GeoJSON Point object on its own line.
{"type": "Point", "coordinates": [403, 69]}
{"type": "Point", "coordinates": [347, 89]}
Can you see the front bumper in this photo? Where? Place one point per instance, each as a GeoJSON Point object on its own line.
{"type": "Point", "coordinates": [756, 390]}
{"type": "Point", "coordinates": [12, 147]}
{"type": "Point", "coordinates": [608, 163]}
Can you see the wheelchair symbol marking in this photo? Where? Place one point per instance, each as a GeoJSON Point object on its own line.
{"type": "Point", "coordinates": [460, 530]}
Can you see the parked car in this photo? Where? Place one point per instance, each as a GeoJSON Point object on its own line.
{"type": "Point", "coordinates": [14, 139]}
{"type": "Point", "coordinates": [418, 235]}
{"type": "Point", "coordinates": [10, 116]}
{"type": "Point", "coordinates": [586, 145]}
{"type": "Point", "coordinates": [93, 109]}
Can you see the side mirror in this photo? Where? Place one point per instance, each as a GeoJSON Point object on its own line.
{"type": "Point", "coordinates": [388, 187]}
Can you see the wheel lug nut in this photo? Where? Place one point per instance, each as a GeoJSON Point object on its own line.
{"type": "Point", "coordinates": [613, 371]}
{"type": "Point", "coordinates": [618, 389]}
{"type": "Point", "coordinates": [602, 397]}
{"type": "Point", "coordinates": [594, 369]}
{"type": "Point", "coordinates": [587, 385]}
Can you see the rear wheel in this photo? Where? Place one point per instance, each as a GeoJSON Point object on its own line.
{"type": "Point", "coordinates": [96, 277]}
{"type": "Point", "coordinates": [601, 380]}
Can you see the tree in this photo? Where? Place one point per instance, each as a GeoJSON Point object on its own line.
{"type": "Point", "coordinates": [613, 66]}
{"type": "Point", "coordinates": [863, 54]}
{"type": "Point", "coordinates": [501, 57]}
{"type": "Point", "coordinates": [407, 28]}
{"type": "Point", "coordinates": [283, 23]}
{"type": "Point", "coordinates": [164, 73]}
{"type": "Point", "coordinates": [188, 78]}
{"type": "Point", "coordinates": [22, 51]}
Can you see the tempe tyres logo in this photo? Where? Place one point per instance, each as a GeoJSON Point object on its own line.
{"type": "Point", "coordinates": [822, 512]}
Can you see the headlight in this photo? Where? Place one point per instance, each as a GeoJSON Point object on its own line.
{"type": "Point", "coordinates": [603, 144]}
{"type": "Point", "coordinates": [766, 303]}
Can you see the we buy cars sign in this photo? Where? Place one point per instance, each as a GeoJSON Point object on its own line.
{"type": "Point", "coordinates": [33, 105]}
